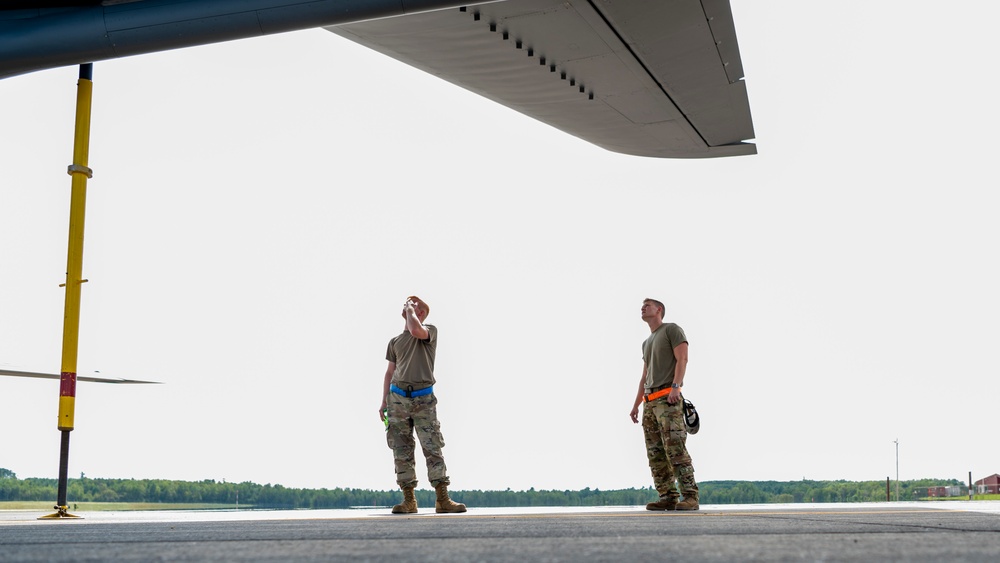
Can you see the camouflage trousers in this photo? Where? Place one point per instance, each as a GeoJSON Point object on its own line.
{"type": "Point", "coordinates": [666, 449]}
{"type": "Point", "coordinates": [405, 416]}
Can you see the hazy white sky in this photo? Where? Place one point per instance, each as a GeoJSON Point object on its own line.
{"type": "Point", "coordinates": [260, 209]}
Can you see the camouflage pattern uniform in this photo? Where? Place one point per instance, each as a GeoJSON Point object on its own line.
{"type": "Point", "coordinates": [414, 361]}
{"type": "Point", "coordinates": [405, 416]}
{"type": "Point", "coordinates": [663, 423]}
{"type": "Point", "coordinates": [666, 449]}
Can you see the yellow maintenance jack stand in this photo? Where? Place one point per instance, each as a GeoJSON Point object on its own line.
{"type": "Point", "coordinates": [74, 272]}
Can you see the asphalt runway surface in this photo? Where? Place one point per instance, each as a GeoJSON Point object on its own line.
{"type": "Point", "coordinates": [938, 531]}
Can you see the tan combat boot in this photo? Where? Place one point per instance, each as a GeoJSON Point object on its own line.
{"type": "Point", "coordinates": [409, 504]}
{"type": "Point", "coordinates": [689, 503]}
{"type": "Point", "coordinates": [445, 504]}
{"type": "Point", "coordinates": [663, 504]}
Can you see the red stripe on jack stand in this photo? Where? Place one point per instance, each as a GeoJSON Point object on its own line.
{"type": "Point", "coordinates": [67, 384]}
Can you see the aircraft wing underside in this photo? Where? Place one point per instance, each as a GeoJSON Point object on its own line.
{"type": "Point", "coordinates": [659, 78]}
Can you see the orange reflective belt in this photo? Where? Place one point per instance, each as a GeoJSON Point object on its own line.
{"type": "Point", "coordinates": [656, 395]}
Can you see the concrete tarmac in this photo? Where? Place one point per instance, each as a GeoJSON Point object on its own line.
{"type": "Point", "coordinates": [930, 531]}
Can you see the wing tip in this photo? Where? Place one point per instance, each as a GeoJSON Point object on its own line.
{"type": "Point", "coordinates": [40, 375]}
{"type": "Point", "coordinates": [719, 151]}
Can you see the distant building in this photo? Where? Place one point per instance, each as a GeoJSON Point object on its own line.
{"type": "Point", "coordinates": [988, 485]}
{"type": "Point", "coordinates": [949, 491]}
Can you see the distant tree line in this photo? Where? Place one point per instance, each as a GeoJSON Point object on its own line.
{"type": "Point", "coordinates": [761, 492]}
{"type": "Point", "coordinates": [86, 489]}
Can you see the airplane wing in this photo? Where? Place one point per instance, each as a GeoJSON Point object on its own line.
{"type": "Point", "coordinates": [37, 375]}
{"type": "Point", "coordinates": [659, 78]}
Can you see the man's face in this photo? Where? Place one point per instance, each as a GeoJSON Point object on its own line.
{"type": "Point", "coordinates": [650, 311]}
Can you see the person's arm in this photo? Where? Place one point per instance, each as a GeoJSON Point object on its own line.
{"type": "Point", "coordinates": [638, 398]}
{"type": "Point", "coordinates": [413, 325]}
{"type": "Point", "coordinates": [681, 355]}
{"type": "Point", "coordinates": [385, 389]}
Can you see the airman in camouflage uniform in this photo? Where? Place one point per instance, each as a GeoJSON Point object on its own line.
{"type": "Point", "coordinates": [409, 404]}
{"type": "Point", "coordinates": [664, 356]}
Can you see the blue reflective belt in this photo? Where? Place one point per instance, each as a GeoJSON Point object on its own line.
{"type": "Point", "coordinates": [411, 393]}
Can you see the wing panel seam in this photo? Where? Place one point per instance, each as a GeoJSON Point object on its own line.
{"type": "Point", "coordinates": [646, 68]}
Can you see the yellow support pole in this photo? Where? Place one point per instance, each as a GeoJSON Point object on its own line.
{"type": "Point", "coordinates": [80, 173]}
{"type": "Point", "coordinates": [74, 261]}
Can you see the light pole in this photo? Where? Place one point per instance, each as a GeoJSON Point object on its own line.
{"type": "Point", "coordinates": [896, 441]}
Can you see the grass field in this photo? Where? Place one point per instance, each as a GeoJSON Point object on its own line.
{"type": "Point", "coordinates": [43, 506]}
{"type": "Point", "coordinates": [965, 497]}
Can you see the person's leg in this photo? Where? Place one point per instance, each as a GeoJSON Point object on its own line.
{"type": "Point", "coordinates": [659, 464]}
{"type": "Point", "coordinates": [428, 428]}
{"type": "Point", "coordinates": [671, 420]}
{"type": "Point", "coordinates": [399, 437]}
{"type": "Point", "coordinates": [425, 422]}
